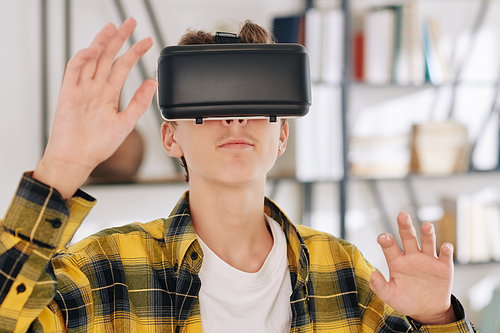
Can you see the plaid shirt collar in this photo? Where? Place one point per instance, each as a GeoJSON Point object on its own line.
{"type": "Point", "coordinates": [180, 238]}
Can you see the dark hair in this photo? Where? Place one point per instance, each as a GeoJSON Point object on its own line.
{"type": "Point", "coordinates": [249, 33]}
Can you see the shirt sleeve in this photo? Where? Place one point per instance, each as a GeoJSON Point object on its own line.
{"type": "Point", "coordinates": [38, 222]}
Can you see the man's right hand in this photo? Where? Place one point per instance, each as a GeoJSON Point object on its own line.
{"type": "Point", "coordinates": [88, 127]}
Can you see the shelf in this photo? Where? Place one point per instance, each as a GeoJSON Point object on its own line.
{"type": "Point", "coordinates": [426, 85]}
{"type": "Point", "coordinates": [485, 263]}
{"type": "Point", "coordinates": [175, 180]}
{"type": "Point", "coordinates": [422, 176]}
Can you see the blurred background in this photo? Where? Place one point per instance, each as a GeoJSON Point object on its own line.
{"type": "Point", "coordinates": [404, 118]}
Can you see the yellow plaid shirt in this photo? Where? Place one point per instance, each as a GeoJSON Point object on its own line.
{"type": "Point", "coordinates": [144, 277]}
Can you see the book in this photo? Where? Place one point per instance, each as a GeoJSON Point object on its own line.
{"type": "Point", "coordinates": [314, 42]}
{"type": "Point", "coordinates": [392, 45]}
{"type": "Point", "coordinates": [379, 157]}
{"type": "Point", "coordinates": [478, 232]}
{"type": "Point", "coordinates": [333, 46]}
{"type": "Point", "coordinates": [398, 70]}
{"type": "Point", "coordinates": [318, 137]}
{"type": "Point", "coordinates": [287, 29]}
{"type": "Point", "coordinates": [472, 225]}
{"type": "Point", "coordinates": [439, 148]}
{"type": "Point", "coordinates": [379, 30]}
{"type": "Point", "coordinates": [411, 63]}
{"type": "Point", "coordinates": [492, 220]}
{"type": "Point", "coordinates": [358, 55]}
{"type": "Point", "coordinates": [446, 228]}
{"type": "Point", "coordinates": [434, 63]}
{"type": "Point", "coordinates": [324, 30]}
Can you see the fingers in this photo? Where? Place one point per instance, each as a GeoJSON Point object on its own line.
{"type": "Point", "coordinates": [428, 239]}
{"type": "Point", "coordinates": [380, 286]}
{"type": "Point", "coordinates": [107, 43]}
{"type": "Point", "coordinates": [140, 102]}
{"type": "Point", "coordinates": [446, 253]}
{"type": "Point", "coordinates": [389, 247]}
{"type": "Point", "coordinates": [98, 43]}
{"type": "Point", "coordinates": [75, 65]}
{"type": "Point", "coordinates": [110, 50]}
{"type": "Point", "coordinates": [98, 61]}
{"type": "Point", "coordinates": [410, 242]}
{"type": "Point", "coordinates": [124, 64]}
{"type": "Point", "coordinates": [407, 233]}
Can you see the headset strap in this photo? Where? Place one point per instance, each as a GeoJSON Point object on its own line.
{"type": "Point", "coordinates": [226, 38]}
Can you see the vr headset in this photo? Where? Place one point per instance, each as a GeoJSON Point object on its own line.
{"type": "Point", "coordinates": [231, 80]}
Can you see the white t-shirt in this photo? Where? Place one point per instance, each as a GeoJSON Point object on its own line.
{"type": "Point", "coordinates": [235, 301]}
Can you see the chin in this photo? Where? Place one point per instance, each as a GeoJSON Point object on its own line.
{"type": "Point", "coordinates": [239, 179]}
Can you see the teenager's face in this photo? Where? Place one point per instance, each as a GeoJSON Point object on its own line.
{"type": "Point", "coordinates": [234, 152]}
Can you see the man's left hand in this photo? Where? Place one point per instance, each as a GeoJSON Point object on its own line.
{"type": "Point", "coordinates": [420, 282]}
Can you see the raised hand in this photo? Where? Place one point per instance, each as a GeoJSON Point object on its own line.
{"type": "Point", "coordinates": [420, 282]}
{"type": "Point", "coordinates": [88, 126]}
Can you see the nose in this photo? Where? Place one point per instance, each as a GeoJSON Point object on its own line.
{"type": "Point", "coordinates": [228, 122]}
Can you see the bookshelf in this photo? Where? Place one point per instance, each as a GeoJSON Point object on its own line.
{"type": "Point", "coordinates": [471, 83]}
{"type": "Point", "coordinates": [437, 100]}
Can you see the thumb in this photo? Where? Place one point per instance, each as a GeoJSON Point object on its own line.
{"type": "Point", "coordinates": [379, 285]}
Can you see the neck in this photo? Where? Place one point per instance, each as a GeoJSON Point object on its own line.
{"type": "Point", "coordinates": [230, 221]}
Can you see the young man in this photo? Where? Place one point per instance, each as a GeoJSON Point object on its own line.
{"type": "Point", "coordinates": [227, 259]}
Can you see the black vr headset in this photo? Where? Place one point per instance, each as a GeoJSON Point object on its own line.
{"type": "Point", "coordinates": [230, 80]}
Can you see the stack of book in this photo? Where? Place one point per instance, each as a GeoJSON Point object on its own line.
{"type": "Point", "coordinates": [439, 148]}
{"type": "Point", "coordinates": [472, 225]}
{"type": "Point", "coordinates": [379, 157]}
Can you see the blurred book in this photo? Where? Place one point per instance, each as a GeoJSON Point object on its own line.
{"type": "Point", "coordinates": [318, 137]}
{"type": "Point", "coordinates": [411, 69]}
{"type": "Point", "coordinates": [379, 157]}
{"type": "Point", "coordinates": [289, 29]}
{"type": "Point", "coordinates": [472, 224]}
{"type": "Point", "coordinates": [313, 42]}
{"type": "Point", "coordinates": [333, 45]}
{"type": "Point", "coordinates": [324, 30]}
{"type": "Point", "coordinates": [358, 54]}
{"type": "Point", "coordinates": [379, 30]}
{"type": "Point", "coordinates": [439, 148]}
{"type": "Point", "coordinates": [436, 68]}
{"type": "Point", "coordinates": [392, 46]}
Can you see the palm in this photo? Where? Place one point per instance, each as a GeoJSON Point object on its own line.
{"type": "Point", "coordinates": [88, 127]}
{"type": "Point", "coordinates": [420, 282]}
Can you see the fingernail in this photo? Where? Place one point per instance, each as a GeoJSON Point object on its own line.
{"type": "Point", "coordinates": [383, 236]}
{"type": "Point", "coordinates": [404, 216]}
{"type": "Point", "coordinates": [448, 248]}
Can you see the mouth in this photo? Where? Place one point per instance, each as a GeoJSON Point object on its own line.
{"type": "Point", "coordinates": [239, 143]}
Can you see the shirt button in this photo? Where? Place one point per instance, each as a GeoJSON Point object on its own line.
{"type": "Point", "coordinates": [56, 223]}
{"type": "Point", "coordinates": [21, 288]}
{"type": "Point", "coordinates": [194, 255]}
